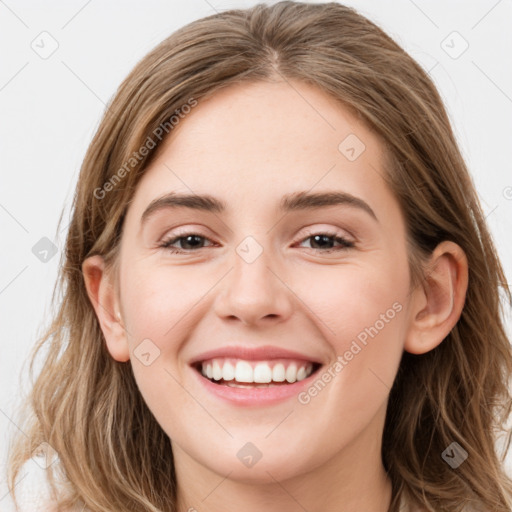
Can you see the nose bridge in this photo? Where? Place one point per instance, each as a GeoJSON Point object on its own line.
{"type": "Point", "coordinates": [253, 290]}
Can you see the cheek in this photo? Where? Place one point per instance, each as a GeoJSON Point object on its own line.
{"type": "Point", "coordinates": [362, 308]}
{"type": "Point", "coordinates": [160, 305]}
{"type": "Point", "coordinates": [348, 299]}
{"type": "Point", "coordinates": [365, 317]}
{"type": "Point", "coordinates": [158, 301]}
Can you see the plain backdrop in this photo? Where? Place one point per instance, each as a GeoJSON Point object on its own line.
{"type": "Point", "coordinates": [63, 60]}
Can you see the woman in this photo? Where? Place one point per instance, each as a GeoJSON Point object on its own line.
{"type": "Point", "coordinates": [205, 358]}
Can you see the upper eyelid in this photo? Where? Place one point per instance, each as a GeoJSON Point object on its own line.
{"type": "Point", "coordinates": [330, 231]}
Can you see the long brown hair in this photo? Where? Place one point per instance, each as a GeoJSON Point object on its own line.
{"type": "Point", "coordinates": [87, 406]}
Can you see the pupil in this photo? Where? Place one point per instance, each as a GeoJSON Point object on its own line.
{"type": "Point", "coordinates": [324, 237]}
{"type": "Point", "coordinates": [192, 237]}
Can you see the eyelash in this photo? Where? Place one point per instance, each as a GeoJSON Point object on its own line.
{"type": "Point", "coordinates": [346, 244]}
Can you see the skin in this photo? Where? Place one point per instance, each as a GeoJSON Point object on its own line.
{"type": "Point", "coordinates": [249, 145]}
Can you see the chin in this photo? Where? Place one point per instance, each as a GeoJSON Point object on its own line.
{"type": "Point", "coordinates": [273, 464]}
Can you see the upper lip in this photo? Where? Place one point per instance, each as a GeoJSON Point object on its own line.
{"type": "Point", "coordinates": [262, 353]}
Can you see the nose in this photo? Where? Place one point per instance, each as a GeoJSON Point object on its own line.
{"type": "Point", "coordinates": [254, 292]}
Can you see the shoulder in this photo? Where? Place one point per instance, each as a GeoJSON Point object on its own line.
{"type": "Point", "coordinates": [33, 490]}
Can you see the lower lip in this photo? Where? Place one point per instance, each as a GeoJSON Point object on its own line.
{"type": "Point", "coordinates": [255, 396]}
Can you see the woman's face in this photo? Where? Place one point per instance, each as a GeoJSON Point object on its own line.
{"type": "Point", "coordinates": [297, 260]}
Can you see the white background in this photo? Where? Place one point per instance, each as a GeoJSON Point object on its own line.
{"type": "Point", "coordinates": [51, 107]}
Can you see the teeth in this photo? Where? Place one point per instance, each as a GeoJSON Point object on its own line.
{"type": "Point", "coordinates": [217, 370]}
{"type": "Point", "coordinates": [228, 371]}
{"type": "Point", "coordinates": [243, 372]}
{"type": "Point", "coordinates": [262, 373]}
{"type": "Point", "coordinates": [252, 372]}
{"type": "Point", "coordinates": [301, 373]}
{"type": "Point", "coordinates": [291, 373]}
{"type": "Point", "coordinates": [278, 373]}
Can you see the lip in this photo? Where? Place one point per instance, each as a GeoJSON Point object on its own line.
{"type": "Point", "coordinates": [263, 353]}
{"type": "Point", "coordinates": [255, 396]}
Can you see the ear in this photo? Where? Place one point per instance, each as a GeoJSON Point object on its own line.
{"type": "Point", "coordinates": [437, 302]}
{"type": "Point", "coordinates": [101, 291]}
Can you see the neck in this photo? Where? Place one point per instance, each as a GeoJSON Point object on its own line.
{"type": "Point", "coordinates": [351, 480]}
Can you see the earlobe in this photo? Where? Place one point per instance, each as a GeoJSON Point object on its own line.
{"type": "Point", "coordinates": [103, 298]}
{"type": "Point", "coordinates": [437, 302]}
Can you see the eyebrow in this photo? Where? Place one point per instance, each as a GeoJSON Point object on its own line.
{"type": "Point", "coordinates": [297, 201]}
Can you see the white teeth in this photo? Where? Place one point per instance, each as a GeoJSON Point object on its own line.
{"type": "Point", "coordinates": [291, 373]}
{"type": "Point", "coordinates": [278, 373]}
{"type": "Point", "coordinates": [243, 372]}
{"type": "Point", "coordinates": [217, 371]}
{"type": "Point", "coordinates": [262, 373]}
{"type": "Point", "coordinates": [228, 371]}
{"type": "Point", "coordinates": [256, 373]}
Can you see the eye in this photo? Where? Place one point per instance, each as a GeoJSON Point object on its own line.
{"type": "Point", "coordinates": [190, 242]}
{"type": "Point", "coordinates": [326, 240]}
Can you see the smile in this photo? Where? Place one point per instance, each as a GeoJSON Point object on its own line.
{"type": "Point", "coordinates": [256, 376]}
{"type": "Point", "coordinates": [249, 373]}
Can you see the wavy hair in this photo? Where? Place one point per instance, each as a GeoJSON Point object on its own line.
{"type": "Point", "coordinates": [87, 406]}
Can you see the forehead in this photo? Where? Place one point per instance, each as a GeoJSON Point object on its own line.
{"type": "Point", "coordinates": [266, 118]}
{"type": "Point", "coordinates": [255, 140]}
